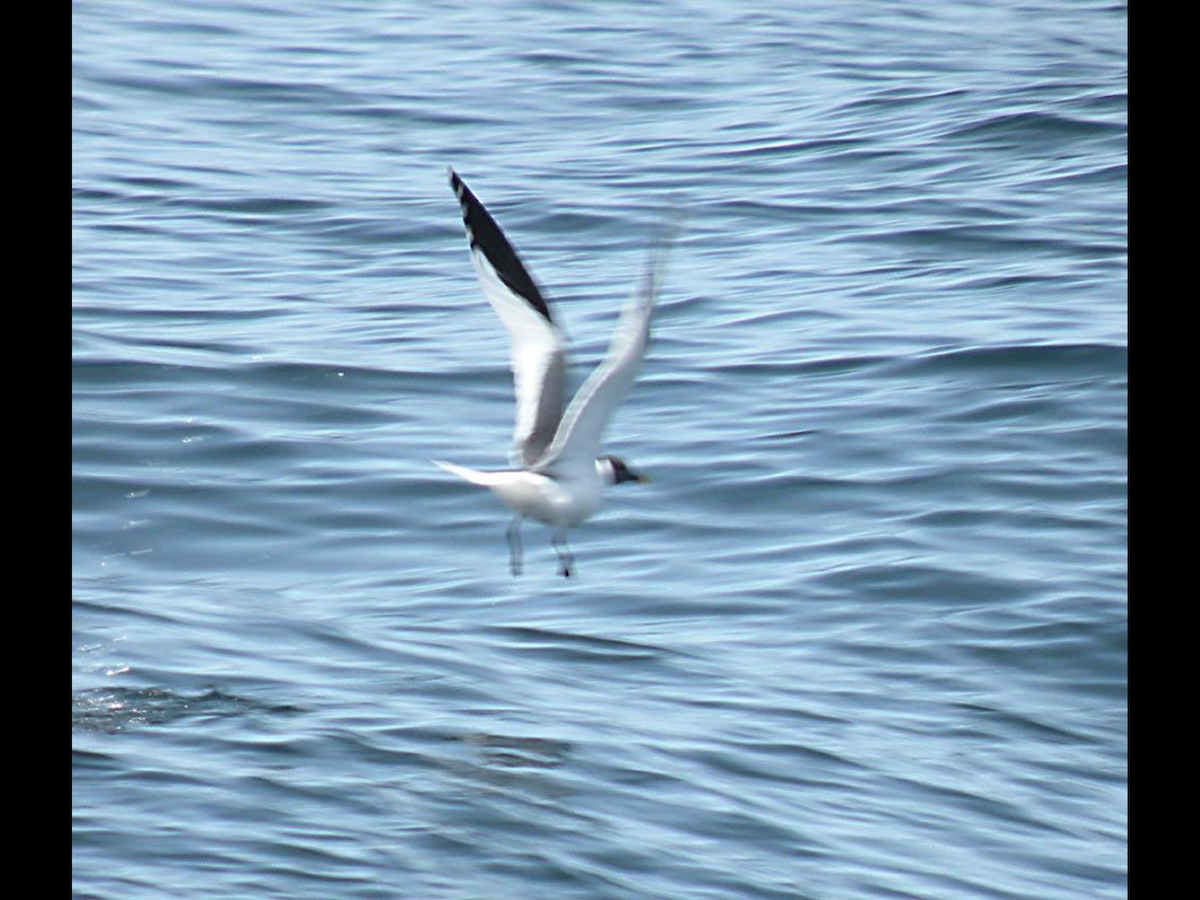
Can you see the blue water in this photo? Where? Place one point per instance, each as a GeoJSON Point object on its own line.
{"type": "Point", "coordinates": [865, 634]}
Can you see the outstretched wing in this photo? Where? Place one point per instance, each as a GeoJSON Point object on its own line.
{"type": "Point", "coordinates": [538, 347]}
{"type": "Point", "coordinates": [577, 442]}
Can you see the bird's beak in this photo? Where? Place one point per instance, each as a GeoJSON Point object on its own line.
{"type": "Point", "coordinates": [642, 479]}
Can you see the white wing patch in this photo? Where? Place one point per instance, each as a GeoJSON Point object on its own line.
{"type": "Point", "coordinates": [538, 348]}
{"type": "Point", "coordinates": [538, 364]}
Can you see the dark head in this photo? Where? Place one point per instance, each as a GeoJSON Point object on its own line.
{"type": "Point", "coordinates": [615, 471]}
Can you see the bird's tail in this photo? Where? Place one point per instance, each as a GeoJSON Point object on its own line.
{"type": "Point", "coordinates": [486, 479]}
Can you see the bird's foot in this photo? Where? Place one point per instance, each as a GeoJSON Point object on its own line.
{"type": "Point", "coordinates": [513, 533]}
{"type": "Point", "coordinates": [565, 557]}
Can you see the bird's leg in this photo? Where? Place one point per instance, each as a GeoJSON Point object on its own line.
{"type": "Point", "coordinates": [513, 533]}
{"type": "Point", "coordinates": [564, 552]}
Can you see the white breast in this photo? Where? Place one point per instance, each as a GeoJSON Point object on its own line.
{"type": "Point", "coordinates": [564, 501]}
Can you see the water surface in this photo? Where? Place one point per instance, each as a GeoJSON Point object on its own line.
{"type": "Point", "coordinates": [865, 634]}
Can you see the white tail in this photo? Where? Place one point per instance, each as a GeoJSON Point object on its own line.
{"type": "Point", "coordinates": [486, 479]}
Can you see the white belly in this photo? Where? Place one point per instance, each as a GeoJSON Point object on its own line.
{"type": "Point", "coordinates": [564, 502]}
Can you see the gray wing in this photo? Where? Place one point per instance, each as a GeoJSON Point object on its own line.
{"type": "Point", "coordinates": [577, 442]}
{"type": "Point", "coordinates": [538, 347]}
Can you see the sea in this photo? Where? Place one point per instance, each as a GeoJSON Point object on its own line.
{"type": "Point", "coordinates": [864, 635]}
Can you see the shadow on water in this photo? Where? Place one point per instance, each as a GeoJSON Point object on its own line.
{"type": "Point", "coordinates": [114, 710]}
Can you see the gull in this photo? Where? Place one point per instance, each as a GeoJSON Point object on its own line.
{"type": "Point", "coordinates": [558, 474]}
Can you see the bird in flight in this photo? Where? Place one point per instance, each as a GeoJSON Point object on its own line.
{"type": "Point", "coordinates": [558, 473]}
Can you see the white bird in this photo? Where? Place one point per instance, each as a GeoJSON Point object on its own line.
{"type": "Point", "coordinates": [558, 475]}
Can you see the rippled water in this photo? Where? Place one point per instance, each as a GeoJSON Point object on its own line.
{"type": "Point", "coordinates": [864, 635]}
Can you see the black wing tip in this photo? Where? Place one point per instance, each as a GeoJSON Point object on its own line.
{"type": "Point", "coordinates": [471, 207]}
{"type": "Point", "coordinates": [485, 236]}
